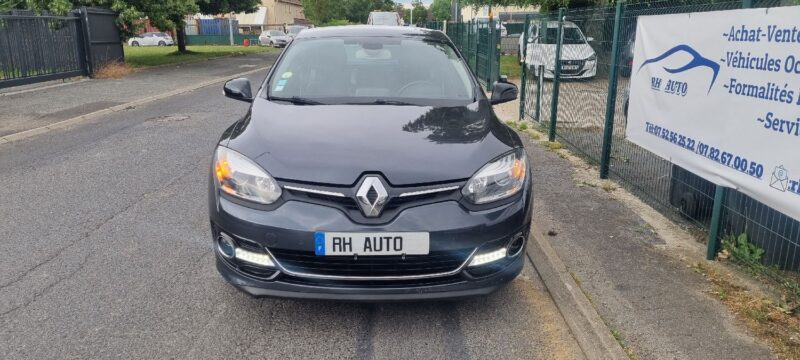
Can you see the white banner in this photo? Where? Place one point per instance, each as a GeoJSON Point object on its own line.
{"type": "Point", "coordinates": [718, 93]}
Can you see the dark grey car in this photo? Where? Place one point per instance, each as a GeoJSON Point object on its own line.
{"type": "Point", "coordinates": [370, 166]}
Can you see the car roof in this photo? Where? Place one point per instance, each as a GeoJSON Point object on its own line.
{"type": "Point", "coordinates": [371, 30]}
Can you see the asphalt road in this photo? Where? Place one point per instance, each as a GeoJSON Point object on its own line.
{"type": "Point", "coordinates": [107, 254]}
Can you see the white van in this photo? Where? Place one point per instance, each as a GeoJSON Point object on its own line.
{"type": "Point", "coordinates": [385, 18]}
{"type": "Point", "coordinates": [578, 59]}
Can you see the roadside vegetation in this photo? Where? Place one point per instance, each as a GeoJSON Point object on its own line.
{"type": "Point", "coordinates": [138, 57]}
{"type": "Point", "coordinates": [773, 322]}
{"type": "Point", "coordinates": [509, 65]}
{"type": "Point", "coordinates": [770, 313]}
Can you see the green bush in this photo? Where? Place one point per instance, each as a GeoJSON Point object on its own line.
{"type": "Point", "coordinates": [336, 22]}
{"type": "Point", "coordinates": [741, 249]}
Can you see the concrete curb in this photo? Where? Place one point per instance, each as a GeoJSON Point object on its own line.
{"type": "Point", "coordinates": [586, 325]}
{"type": "Point", "coordinates": [44, 86]}
{"type": "Point", "coordinates": [78, 119]}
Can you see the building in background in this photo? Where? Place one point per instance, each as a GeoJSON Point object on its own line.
{"type": "Point", "coordinates": [284, 11]}
{"type": "Point", "coordinates": [253, 23]}
{"type": "Point", "coordinates": [502, 13]}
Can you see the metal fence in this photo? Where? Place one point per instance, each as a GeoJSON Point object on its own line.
{"type": "Point", "coordinates": [479, 42]}
{"type": "Point", "coordinates": [42, 48]}
{"type": "Point", "coordinates": [581, 99]}
{"type": "Point", "coordinates": [49, 49]}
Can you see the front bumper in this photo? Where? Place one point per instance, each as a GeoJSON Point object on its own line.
{"type": "Point", "coordinates": [289, 287]}
{"type": "Point", "coordinates": [588, 71]}
{"type": "Point", "coordinates": [290, 228]}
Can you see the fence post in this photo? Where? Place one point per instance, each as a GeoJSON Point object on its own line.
{"type": "Point", "coordinates": [716, 221]}
{"type": "Point", "coordinates": [540, 71]}
{"type": "Point", "coordinates": [86, 37]}
{"type": "Point", "coordinates": [477, 37]}
{"type": "Point", "coordinates": [556, 77]}
{"type": "Point", "coordinates": [611, 100]}
{"type": "Point", "coordinates": [524, 77]}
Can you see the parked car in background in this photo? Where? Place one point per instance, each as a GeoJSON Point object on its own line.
{"type": "Point", "coordinates": [274, 38]}
{"type": "Point", "coordinates": [385, 18]}
{"type": "Point", "coordinates": [578, 59]}
{"type": "Point", "coordinates": [626, 57]}
{"type": "Point", "coordinates": [293, 30]}
{"type": "Point", "coordinates": [151, 39]}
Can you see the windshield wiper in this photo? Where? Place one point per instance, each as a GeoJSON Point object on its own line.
{"type": "Point", "coordinates": [296, 100]}
{"type": "Point", "coordinates": [382, 102]}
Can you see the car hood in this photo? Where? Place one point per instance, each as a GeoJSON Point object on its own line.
{"type": "Point", "coordinates": [336, 144]}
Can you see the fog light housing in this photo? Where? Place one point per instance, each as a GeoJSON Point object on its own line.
{"type": "Point", "coordinates": [226, 246]}
{"type": "Point", "coordinates": [489, 257]}
{"type": "Point", "coordinates": [254, 258]}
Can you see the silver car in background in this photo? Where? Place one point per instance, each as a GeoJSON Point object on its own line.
{"type": "Point", "coordinates": [151, 39]}
{"type": "Point", "coordinates": [274, 38]}
{"type": "Point", "coordinates": [293, 30]}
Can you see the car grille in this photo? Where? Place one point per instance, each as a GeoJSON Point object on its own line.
{"type": "Point", "coordinates": [347, 202]}
{"type": "Point", "coordinates": [305, 262]}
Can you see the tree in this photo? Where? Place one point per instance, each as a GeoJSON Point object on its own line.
{"type": "Point", "coordinates": [228, 6]}
{"type": "Point", "coordinates": [357, 11]}
{"type": "Point", "coordinates": [440, 9]}
{"type": "Point", "coordinates": [420, 13]}
{"type": "Point", "coordinates": [323, 11]}
{"type": "Point", "coordinates": [164, 14]}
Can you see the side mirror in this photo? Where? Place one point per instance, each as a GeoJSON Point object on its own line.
{"type": "Point", "coordinates": [238, 89]}
{"type": "Point", "coordinates": [589, 39]}
{"type": "Point", "coordinates": [503, 91]}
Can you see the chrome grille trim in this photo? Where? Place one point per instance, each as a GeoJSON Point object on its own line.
{"type": "Point", "coordinates": [369, 278]}
{"type": "Point", "coordinates": [313, 191]}
{"type": "Point", "coordinates": [429, 191]}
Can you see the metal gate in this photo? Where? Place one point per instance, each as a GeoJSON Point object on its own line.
{"type": "Point", "coordinates": [39, 48]}
{"type": "Point", "coordinates": [42, 48]}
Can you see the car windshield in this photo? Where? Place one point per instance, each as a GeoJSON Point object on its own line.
{"type": "Point", "coordinates": [368, 70]}
{"type": "Point", "coordinates": [572, 35]}
{"type": "Point", "coordinates": [384, 19]}
{"type": "Point", "coordinates": [277, 33]}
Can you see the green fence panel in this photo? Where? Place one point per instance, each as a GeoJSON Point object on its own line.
{"type": "Point", "coordinates": [587, 112]}
{"type": "Point", "coordinates": [479, 43]}
{"type": "Point", "coordinates": [220, 39]}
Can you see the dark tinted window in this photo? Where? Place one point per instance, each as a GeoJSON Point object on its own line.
{"type": "Point", "coordinates": [362, 70]}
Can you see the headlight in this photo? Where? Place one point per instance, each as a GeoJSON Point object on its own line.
{"type": "Point", "coordinates": [240, 177]}
{"type": "Point", "coordinates": [498, 179]}
{"type": "Point", "coordinates": [592, 58]}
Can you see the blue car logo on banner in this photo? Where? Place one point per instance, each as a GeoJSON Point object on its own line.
{"type": "Point", "coordinates": [697, 61]}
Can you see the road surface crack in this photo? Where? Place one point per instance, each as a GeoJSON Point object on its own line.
{"type": "Point", "coordinates": [85, 236]}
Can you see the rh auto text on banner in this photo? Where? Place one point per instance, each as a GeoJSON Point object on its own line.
{"type": "Point", "coordinates": [718, 93]}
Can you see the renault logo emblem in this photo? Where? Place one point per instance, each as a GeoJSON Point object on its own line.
{"type": "Point", "coordinates": [372, 196]}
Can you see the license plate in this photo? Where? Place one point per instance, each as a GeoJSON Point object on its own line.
{"type": "Point", "coordinates": [383, 243]}
{"type": "Point", "coordinates": [569, 67]}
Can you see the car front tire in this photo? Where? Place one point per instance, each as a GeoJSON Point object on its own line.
{"type": "Point", "coordinates": [161, 43]}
